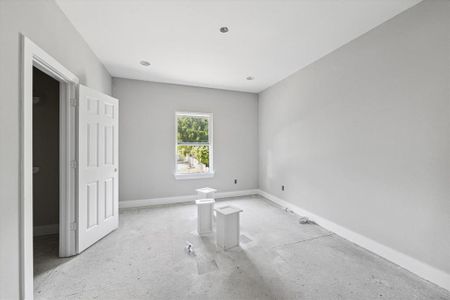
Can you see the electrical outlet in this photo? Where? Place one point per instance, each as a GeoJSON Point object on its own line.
{"type": "Point", "coordinates": [235, 181]}
{"type": "Point", "coordinates": [282, 188]}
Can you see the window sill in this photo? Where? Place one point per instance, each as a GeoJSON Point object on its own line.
{"type": "Point", "coordinates": [193, 176]}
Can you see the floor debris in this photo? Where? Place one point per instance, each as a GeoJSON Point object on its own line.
{"type": "Point", "coordinates": [306, 220]}
{"type": "Point", "coordinates": [189, 249]}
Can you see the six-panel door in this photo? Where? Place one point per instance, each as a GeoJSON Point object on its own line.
{"type": "Point", "coordinates": [98, 184]}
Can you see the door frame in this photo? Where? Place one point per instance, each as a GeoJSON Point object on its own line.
{"type": "Point", "coordinates": [33, 55]}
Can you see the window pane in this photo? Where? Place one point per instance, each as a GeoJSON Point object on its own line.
{"type": "Point", "coordinates": [192, 159]}
{"type": "Point", "coordinates": [192, 129]}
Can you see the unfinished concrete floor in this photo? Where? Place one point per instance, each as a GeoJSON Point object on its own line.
{"type": "Point", "coordinates": [278, 259]}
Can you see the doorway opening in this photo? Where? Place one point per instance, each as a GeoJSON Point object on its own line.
{"type": "Point", "coordinates": [46, 174]}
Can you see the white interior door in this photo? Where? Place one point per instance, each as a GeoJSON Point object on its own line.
{"type": "Point", "coordinates": [98, 185]}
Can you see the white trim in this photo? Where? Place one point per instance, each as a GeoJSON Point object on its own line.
{"type": "Point", "coordinates": [240, 193]}
{"type": "Point", "coordinates": [32, 55]}
{"type": "Point", "coordinates": [45, 229]}
{"type": "Point", "coordinates": [68, 174]}
{"type": "Point", "coordinates": [193, 176]}
{"type": "Point", "coordinates": [210, 144]}
{"type": "Point", "coordinates": [413, 265]}
{"type": "Point", "coordinates": [194, 114]}
{"type": "Point", "coordinates": [181, 199]}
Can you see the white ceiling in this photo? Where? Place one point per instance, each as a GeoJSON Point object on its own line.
{"type": "Point", "coordinates": [268, 40]}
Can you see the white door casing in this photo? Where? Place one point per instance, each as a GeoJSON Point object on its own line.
{"type": "Point", "coordinates": [98, 186]}
{"type": "Point", "coordinates": [34, 56]}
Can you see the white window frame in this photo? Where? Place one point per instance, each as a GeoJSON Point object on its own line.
{"type": "Point", "coordinates": [210, 172]}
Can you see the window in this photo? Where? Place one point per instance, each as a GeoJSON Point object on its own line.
{"type": "Point", "coordinates": [194, 147]}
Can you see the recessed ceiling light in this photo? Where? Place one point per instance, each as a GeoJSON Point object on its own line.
{"type": "Point", "coordinates": [250, 78]}
{"type": "Point", "coordinates": [145, 63]}
{"type": "Point", "coordinates": [224, 29]}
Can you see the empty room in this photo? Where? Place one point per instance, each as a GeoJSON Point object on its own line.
{"type": "Point", "coordinates": [225, 149]}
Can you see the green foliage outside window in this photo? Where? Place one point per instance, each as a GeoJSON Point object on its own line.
{"type": "Point", "coordinates": [193, 130]}
{"type": "Point", "coordinates": [201, 153]}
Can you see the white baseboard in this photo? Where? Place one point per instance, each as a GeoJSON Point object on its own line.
{"type": "Point", "coordinates": [45, 229]}
{"type": "Point", "coordinates": [413, 265]}
{"type": "Point", "coordinates": [181, 199]}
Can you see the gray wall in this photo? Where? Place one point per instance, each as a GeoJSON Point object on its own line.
{"type": "Point", "coordinates": [147, 138]}
{"type": "Point", "coordinates": [362, 136]}
{"type": "Point", "coordinates": [45, 24]}
{"type": "Point", "coordinates": [45, 149]}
